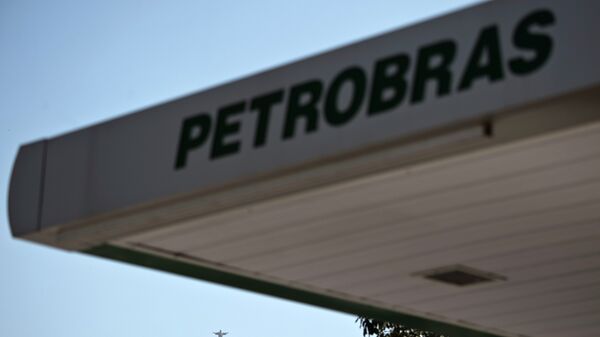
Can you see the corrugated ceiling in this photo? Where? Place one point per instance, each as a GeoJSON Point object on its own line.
{"type": "Point", "coordinates": [528, 211]}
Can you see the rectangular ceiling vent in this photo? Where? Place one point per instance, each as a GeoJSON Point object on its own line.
{"type": "Point", "coordinates": [459, 275]}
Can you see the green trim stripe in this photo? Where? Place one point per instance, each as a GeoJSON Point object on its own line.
{"type": "Point", "coordinates": [268, 288]}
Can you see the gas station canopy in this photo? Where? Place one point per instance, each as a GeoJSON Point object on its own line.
{"type": "Point", "coordinates": [445, 176]}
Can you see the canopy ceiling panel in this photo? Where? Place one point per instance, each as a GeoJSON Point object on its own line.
{"type": "Point", "coordinates": [527, 212]}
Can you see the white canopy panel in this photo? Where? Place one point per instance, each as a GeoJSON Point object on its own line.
{"type": "Point", "coordinates": [527, 211]}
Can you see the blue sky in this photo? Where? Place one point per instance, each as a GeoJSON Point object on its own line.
{"type": "Point", "coordinates": [65, 64]}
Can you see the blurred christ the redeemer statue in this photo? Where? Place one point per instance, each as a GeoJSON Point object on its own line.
{"type": "Point", "coordinates": [220, 333]}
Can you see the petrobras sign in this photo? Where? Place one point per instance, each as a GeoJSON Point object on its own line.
{"type": "Point", "coordinates": [465, 66]}
{"type": "Point", "coordinates": [384, 86]}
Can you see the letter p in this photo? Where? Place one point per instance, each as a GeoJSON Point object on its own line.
{"type": "Point", "coordinates": [194, 132]}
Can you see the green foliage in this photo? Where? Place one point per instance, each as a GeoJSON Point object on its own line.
{"type": "Point", "coordinates": [375, 328]}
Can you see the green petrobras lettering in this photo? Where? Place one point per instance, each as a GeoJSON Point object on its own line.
{"type": "Point", "coordinates": [540, 44]}
{"type": "Point", "coordinates": [226, 127]}
{"type": "Point", "coordinates": [485, 60]}
{"type": "Point", "coordinates": [389, 85]}
{"type": "Point", "coordinates": [303, 104]}
{"type": "Point", "coordinates": [357, 79]}
{"type": "Point", "coordinates": [194, 132]}
{"type": "Point", "coordinates": [433, 66]}
{"type": "Point", "coordinates": [429, 72]}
